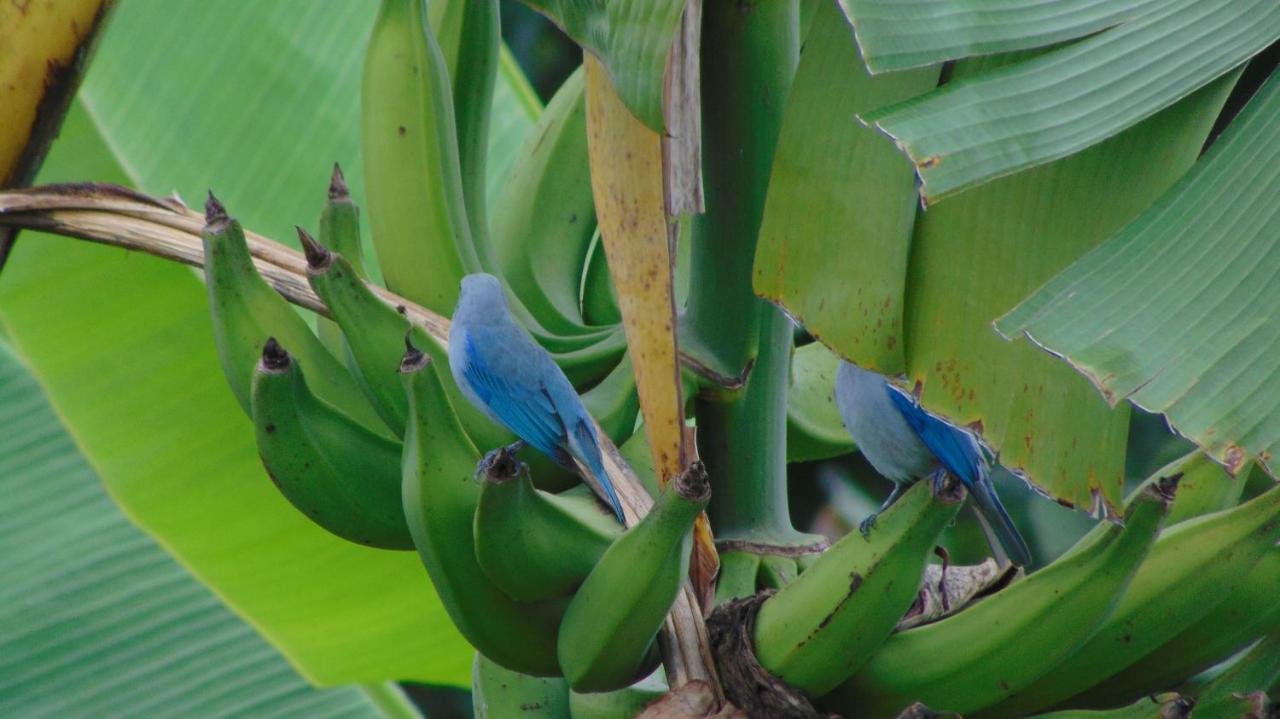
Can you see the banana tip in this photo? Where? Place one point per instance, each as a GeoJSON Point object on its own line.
{"type": "Point", "coordinates": [214, 210]}
{"type": "Point", "coordinates": [693, 483]}
{"type": "Point", "coordinates": [338, 185]}
{"type": "Point", "coordinates": [318, 257]}
{"type": "Point", "coordinates": [274, 357]}
{"type": "Point", "coordinates": [414, 359]}
{"type": "Point", "coordinates": [1167, 487]}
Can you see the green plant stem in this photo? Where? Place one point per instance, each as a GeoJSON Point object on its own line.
{"type": "Point", "coordinates": [743, 440]}
{"type": "Point", "coordinates": [750, 50]}
{"type": "Point", "coordinates": [749, 55]}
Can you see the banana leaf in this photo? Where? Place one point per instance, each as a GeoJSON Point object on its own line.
{"type": "Point", "coordinates": [95, 618]}
{"type": "Point", "coordinates": [631, 38]}
{"type": "Point", "coordinates": [895, 34]}
{"type": "Point", "coordinates": [122, 343]}
{"type": "Point", "coordinates": [1058, 103]}
{"type": "Point", "coordinates": [1177, 312]}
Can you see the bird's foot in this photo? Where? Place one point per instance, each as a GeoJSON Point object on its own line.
{"type": "Point", "coordinates": [865, 525]}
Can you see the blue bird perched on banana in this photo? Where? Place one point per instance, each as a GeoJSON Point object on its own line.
{"type": "Point", "coordinates": [513, 380]}
{"type": "Point", "coordinates": [905, 443]}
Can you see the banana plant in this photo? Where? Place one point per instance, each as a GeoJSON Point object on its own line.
{"type": "Point", "coordinates": [726, 201]}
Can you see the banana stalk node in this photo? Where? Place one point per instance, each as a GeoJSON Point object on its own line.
{"type": "Point", "coordinates": [747, 684]}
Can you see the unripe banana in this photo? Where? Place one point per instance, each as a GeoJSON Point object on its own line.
{"type": "Point", "coordinates": [1193, 567]}
{"type": "Point", "coordinates": [440, 501]}
{"type": "Point", "coordinates": [375, 335]}
{"type": "Point", "coordinates": [607, 636]}
{"type": "Point", "coordinates": [341, 475]}
{"type": "Point", "coordinates": [246, 311]}
{"type": "Point", "coordinates": [340, 223]}
{"type": "Point", "coordinates": [416, 207]}
{"type": "Point", "coordinates": [470, 37]}
{"type": "Point", "coordinates": [1169, 706]}
{"type": "Point", "coordinates": [340, 233]}
{"type": "Point", "coordinates": [537, 545]}
{"type": "Point", "coordinates": [823, 626]}
{"type": "Point", "coordinates": [1249, 678]}
{"type": "Point", "coordinates": [621, 704]}
{"type": "Point", "coordinates": [1205, 486]}
{"type": "Point", "coordinates": [542, 226]}
{"type": "Point", "coordinates": [1247, 613]}
{"type": "Point", "coordinates": [615, 402]}
{"type": "Point", "coordinates": [776, 571]}
{"type": "Point", "coordinates": [737, 578]}
{"type": "Point", "coordinates": [1005, 642]}
{"type": "Point", "coordinates": [499, 693]}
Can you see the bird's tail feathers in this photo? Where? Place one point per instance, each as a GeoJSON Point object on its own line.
{"type": "Point", "coordinates": [989, 506]}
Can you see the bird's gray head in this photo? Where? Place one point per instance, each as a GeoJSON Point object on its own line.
{"type": "Point", "coordinates": [481, 301]}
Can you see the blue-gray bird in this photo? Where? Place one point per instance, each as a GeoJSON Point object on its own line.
{"type": "Point", "coordinates": [905, 443]}
{"type": "Point", "coordinates": [514, 381]}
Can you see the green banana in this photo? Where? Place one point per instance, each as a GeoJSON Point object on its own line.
{"type": "Point", "coordinates": [776, 571]}
{"type": "Point", "coordinates": [1255, 705]}
{"type": "Point", "coordinates": [537, 545]}
{"type": "Point", "coordinates": [607, 637]}
{"type": "Point", "coordinates": [375, 336]}
{"type": "Point", "coordinates": [621, 704]}
{"type": "Point", "coordinates": [339, 232]}
{"type": "Point", "coordinates": [246, 311]}
{"type": "Point", "coordinates": [416, 207]}
{"type": "Point", "coordinates": [499, 693]}
{"type": "Point", "coordinates": [1194, 566]}
{"type": "Point", "coordinates": [1005, 642]}
{"type": "Point", "coordinates": [341, 475]}
{"type": "Point", "coordinates": [1170, 706]}
{"type": "Point", "coordinates": [599, 298]}
{"type": "Point", "coordinates": [821, 628]}
{"type": "Point", "coordinates": [542, 226]}
{"type": "Point", "coordinates": [340, 223]}
{"type": "Point", "coordinates": [439, 503]}
{"type": "Point", "coordinates": [615, 402]}
{"type": "Point", "coordinates": [737, 578]}
{"type": "Point", "coordinates": [1249, 678]}
{"type": "Point", "coordinates": [470, 37]}
{"type": "Point", "coordinates": [1205, 486]}
{"type": "Point", "coordinates": [1247, 613]}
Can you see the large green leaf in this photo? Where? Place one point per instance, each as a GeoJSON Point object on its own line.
{"type": "Point", "coordinates": [632, 38]}
{"type": "Point", "coordinates": [1026, 114]}
{"type": "Point", "coordinates": [975, 256]}
{"type": "Point", "coordinates": [95, 619]}
{"type": "Point", "coordinates": [1178, 312]}
{"type": "Point", "coordinates": [841, 203]}
{"type": "Point", "coordinates": [123, 345]}
{"type": "Point", "coordinates": [897, 34]}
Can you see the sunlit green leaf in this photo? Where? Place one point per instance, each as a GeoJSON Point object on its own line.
{"type": "Point", "coordinates": [632, 38]}
{"type": "Point", "coordinates": [897, 34]}
{"type": "Point", "coordinates": [95, 619]}
{"type": "Point", "coordinates": [123, 345]}
{"type": "Point", "coordinates": [841, 203]}
{"type": "Point", "coordinates": [1023, 115]}
{"type": "Point", "coordinates": [1177, 313]}
{"type": "Point", "coordinates": [975, 256]}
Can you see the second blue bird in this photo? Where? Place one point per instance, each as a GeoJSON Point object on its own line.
{"type": "Point", "coordinates": [514, 381]}
{"type": "Point", "coordinates": [905, 443]}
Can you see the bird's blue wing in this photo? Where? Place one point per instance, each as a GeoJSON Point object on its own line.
{"type": "Point", "coordinates": [524, 406]}
{"type": "Point", "coordinates": [954, 448]}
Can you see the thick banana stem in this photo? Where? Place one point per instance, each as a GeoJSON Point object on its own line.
{"type": "Point", "coordinates": [749, 55]}
{"type": "Point", "coordinates": [748, 60]}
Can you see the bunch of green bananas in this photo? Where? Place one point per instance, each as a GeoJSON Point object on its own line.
{"type": "Point", "coordinates": [360, 426]}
